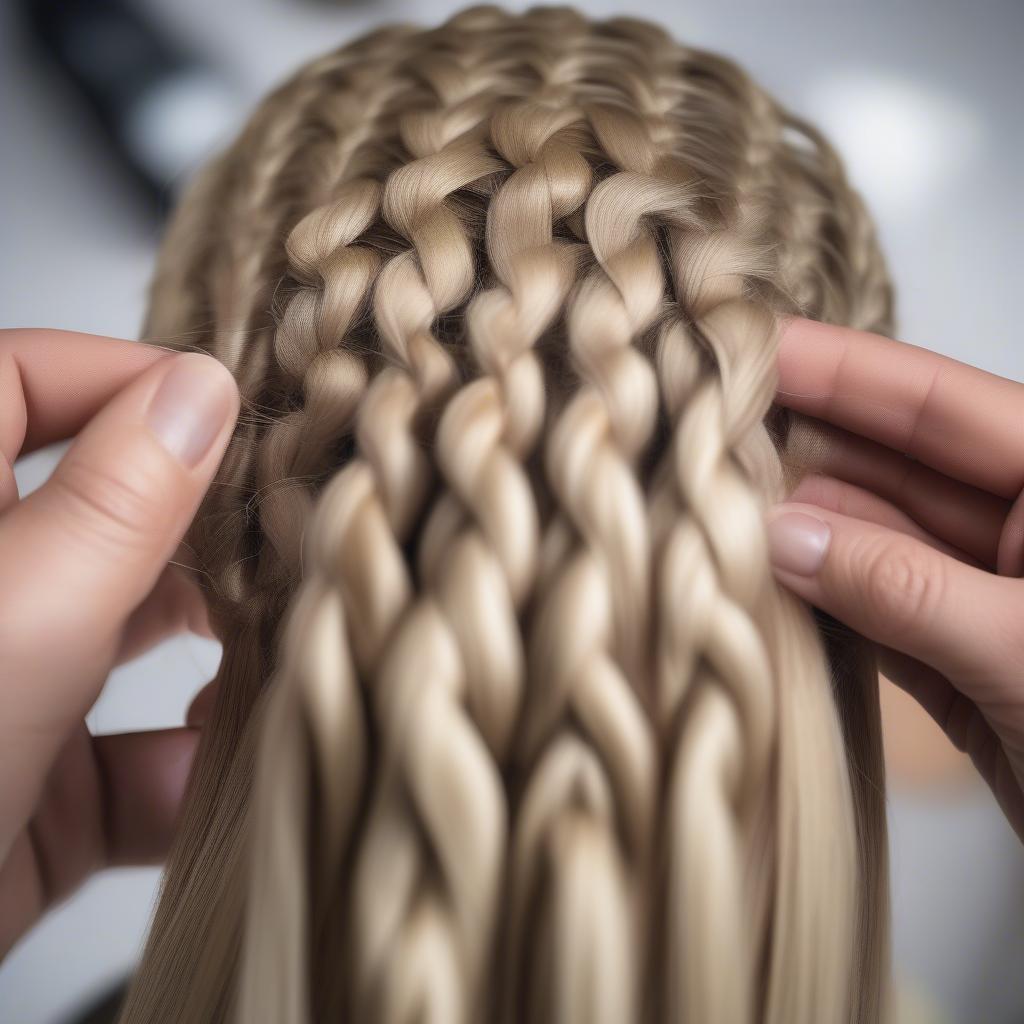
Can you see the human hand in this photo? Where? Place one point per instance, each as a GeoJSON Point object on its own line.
{"type": "Point", "coordinates": [84, 585]}
{"type": "Point", "coordinates": [922, 555]}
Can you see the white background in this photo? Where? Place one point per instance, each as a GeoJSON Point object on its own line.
{"type": "Point", "coordinates": [923, 99]}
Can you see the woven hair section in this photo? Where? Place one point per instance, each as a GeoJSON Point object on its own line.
{"type": "Point", "coordinates": [512, 722]}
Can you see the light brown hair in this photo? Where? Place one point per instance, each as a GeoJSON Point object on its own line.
{"type": "Point", "coordinates": [513, 722]}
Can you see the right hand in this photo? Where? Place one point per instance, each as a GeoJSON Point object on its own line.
{"type": "Point", "coordinates": [923, 555]}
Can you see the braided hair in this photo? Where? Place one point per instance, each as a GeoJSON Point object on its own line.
{"type": "Point", "coordinates": [512, 721]}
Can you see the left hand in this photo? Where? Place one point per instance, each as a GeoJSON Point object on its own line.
{"type": "Point", "coordinates": [85, 585]}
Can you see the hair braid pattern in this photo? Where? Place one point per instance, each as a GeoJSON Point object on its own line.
{"type": "Point", "coordinates": [512, 722]}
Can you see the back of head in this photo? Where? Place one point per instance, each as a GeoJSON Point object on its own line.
{"type": "Point", "coordinates": [512, 722]}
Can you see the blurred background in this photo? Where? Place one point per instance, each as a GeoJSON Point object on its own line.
{"type": "Point", "coordinates": [103, 117]}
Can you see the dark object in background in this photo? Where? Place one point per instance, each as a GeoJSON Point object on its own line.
{"type": "Point", "coordinates": [105, 1009]}
{"type": "Point", "coordinates": [161, 108]}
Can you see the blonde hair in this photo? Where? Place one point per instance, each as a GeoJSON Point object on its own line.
{"type": "Point", "coordinates": [512, 721]}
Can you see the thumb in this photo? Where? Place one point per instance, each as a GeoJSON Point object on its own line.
{"type": "Point", "coordinates": [902, 593]}
{"type": "Point", "coordinates": [80, 553]}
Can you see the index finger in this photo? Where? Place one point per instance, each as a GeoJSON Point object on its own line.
{"type": "Point", "coordinates": [53, 382]}
{"type": "Point", "coordinates": [956, 418]}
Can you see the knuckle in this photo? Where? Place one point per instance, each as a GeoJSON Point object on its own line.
{"type": "Point", "coordinates": [901, 585]}
{"type": "Point", "coordinates": [110, 508]}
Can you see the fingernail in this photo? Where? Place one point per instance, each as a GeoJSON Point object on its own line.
{"type": "Point", "coordinates": [191, 407]}
{"type": "Point", "coordinates": [798, 542]}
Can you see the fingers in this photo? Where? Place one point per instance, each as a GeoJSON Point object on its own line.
{"type": "Point", "coordinates": [53, 382]}
{"type": "Point", "coordinates": [904, 594]}
{"type": "Point", "coordinates": [109, 800]}
{"type": "Point", "coordinates": [962, 720]}
{"type": "Point", "coordinates": [962, 421]}
{"type": "Point", "coordinates": [8, 484]}
{"type": "Point", "coordinates": [144, 777]}
{"type": "Point", "coordinates": [858, 503]}
{"type": "Point", "coordinates": [929, 687]}
{"type": "Point", "coordinates": [175, 605]}
{"type": "Point", "coordinates": [1010, 558]}
{"type": "Point", "coordinates": [201, 708]}
{"type": "Point", "coordinates": [964, 516]}
{"type": "Point", "coordinates": [80, 554]}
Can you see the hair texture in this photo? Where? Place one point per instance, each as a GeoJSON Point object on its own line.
{"type": "Point", "coordinates": [512, 722]}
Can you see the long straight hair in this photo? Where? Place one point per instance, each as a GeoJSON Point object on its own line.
{"type": "Point", "coordinates": [512, 721]}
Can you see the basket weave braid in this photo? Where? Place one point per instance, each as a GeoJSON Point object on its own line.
{"type": "Point", "coordinates": [512, 722]}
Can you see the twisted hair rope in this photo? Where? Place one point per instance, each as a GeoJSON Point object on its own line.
{"type": "Point", "coordinates": [713, 573]}
{"type": "Point", "coordinates": [847, 943]}
{"type": "Point", "coordinates": [336, 276]}
{"type": "Point", "coordinates": [331, 380]}
{"type": "Point", "coordinates": [711, 652]}
{"type": "Point", "coordinates": [245, 484]}
{"type": "Point", "coordinates": [484, 568]}
{"type": "Point", "coordinates": [321, 253]}
{"type": "Point", "coordinates": [490, 426]}
{"type": "Point", "coordinates": [242, 279]}
{"type": "Point", "coordinates": [239, 286]}
{"type": "Point", "coordinates": [720, 420]}
{"type": "Point", "coordinates": [315, 700]}
{"type": "Point", "coordinates": [413, 928]}
{"type": "Point", "coordinates": [593, 447]}
{"type": "Point", "coordinates": [714, 677]}
{"type": "Point", "coordinates": [803, 931]}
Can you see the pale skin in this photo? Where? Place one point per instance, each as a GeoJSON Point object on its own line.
{"type": "Point", "coordinates": [923, 555]}
{"type": "Point", "coordinates": [85, 584]}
